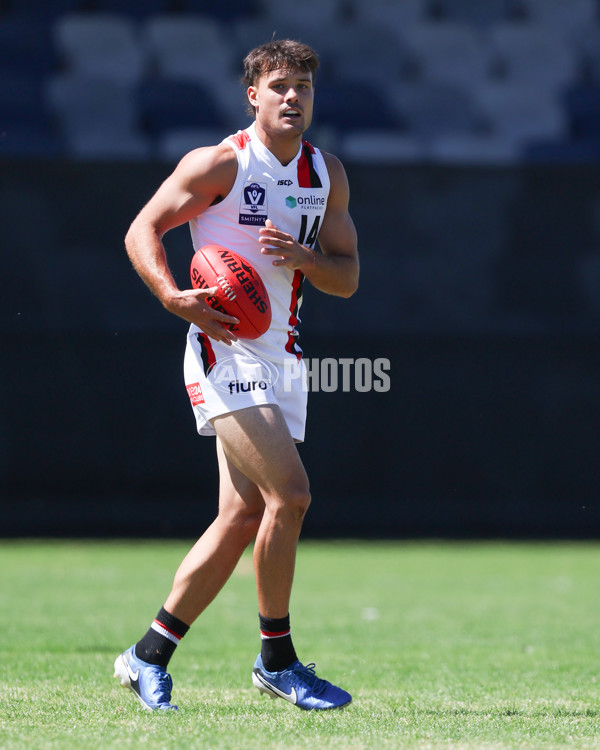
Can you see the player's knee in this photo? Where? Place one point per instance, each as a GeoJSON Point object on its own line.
{"type": "Point", "coordinates": [295, 500]}
{"type": "Point", "coordinates": [303, 501]}
{"type": "Point", "coordinates": [250, 524]}
{"type": "Point", "coordinates": [245, 521]}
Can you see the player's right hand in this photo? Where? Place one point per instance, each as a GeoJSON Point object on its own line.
{"type": "Point", "coordinates": [191, 305]}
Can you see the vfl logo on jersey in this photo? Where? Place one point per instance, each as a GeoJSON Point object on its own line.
{"type": "Point", "coordinates": [253, 204]}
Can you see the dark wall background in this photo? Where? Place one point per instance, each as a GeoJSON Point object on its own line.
{"type": "Point", "coordinates": [480, 285]}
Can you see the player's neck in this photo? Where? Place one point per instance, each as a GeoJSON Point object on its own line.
{"type": "Point", "coordinates": [283, 148]}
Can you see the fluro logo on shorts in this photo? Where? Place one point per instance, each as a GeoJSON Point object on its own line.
{"type": "Point", "coordinates": [253, 204]}
{"type": "Point", "coordinates": [195, 393]}
{"type": "Point", "coordinates": [239, 386]}
{"type": "Point", "coordinates": [234, 375]}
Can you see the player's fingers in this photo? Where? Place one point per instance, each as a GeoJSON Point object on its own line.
{"type": "Point", "coordinates": [219, 337]}
{"type": "Point", "coordinates": [282, 249]}
{"type": "Point", "coordinates": [206, 292]}
{"type": "Point", "coordinates": [215, 314]}
{"type": "Point", "coordinates": [267, 233]}
{"type": "Point", "coordinates": [216, 330]}
{"type": "Point", "coordinates": [269, 241]}
{"type": "Point", "coordinates": [272, 234]}
{"type": "Point", "coordinates": [223, 317]}
{"type": "Point", "coordinates": [225, 337]}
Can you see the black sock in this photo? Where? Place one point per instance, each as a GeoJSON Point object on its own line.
{"type": "Point", "coordinates": [161, 640]}
{"type": "Point", "coordinates": [277, 650]}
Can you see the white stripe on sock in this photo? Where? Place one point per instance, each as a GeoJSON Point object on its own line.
{"type": "Point", "coordinates": [163, 631]}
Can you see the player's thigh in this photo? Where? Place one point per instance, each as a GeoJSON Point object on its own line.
{"type": "Point", "coordinates": [258, 442]}
{"type": "Point", "coordinates": [238, 495]}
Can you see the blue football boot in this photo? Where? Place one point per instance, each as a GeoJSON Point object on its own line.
{"type": "Point", "coordinates": [150, 683]}
{"type": "Point", "coordinates": [300, 686]}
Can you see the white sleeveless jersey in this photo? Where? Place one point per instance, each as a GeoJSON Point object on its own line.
{"type": "Point", "coordinates": [294, 198]}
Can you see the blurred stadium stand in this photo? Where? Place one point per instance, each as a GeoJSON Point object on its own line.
{"type": "Point", "coordinates": [102, 45]}
{"type": "Point", "coordinates": [480, 282]}
{"type": "Point", "coordinates": [495, 81]}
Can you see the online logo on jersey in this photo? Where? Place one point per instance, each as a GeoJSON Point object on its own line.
{"type": "Point", "coordinates": [307, 202]}
{"type": "Point", "coordinates": [253, 204]}
{"type": "Point", "coordinates": [235, 376]}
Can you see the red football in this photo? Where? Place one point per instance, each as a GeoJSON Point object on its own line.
{"type": "Point", "coordinates": [241, 290]}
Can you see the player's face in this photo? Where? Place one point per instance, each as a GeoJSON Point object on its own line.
{"type": "Point", "coordinates": [283, 101]}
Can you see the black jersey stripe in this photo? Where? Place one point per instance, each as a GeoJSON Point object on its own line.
{"type": "Point", "coordinates": [314, 179]}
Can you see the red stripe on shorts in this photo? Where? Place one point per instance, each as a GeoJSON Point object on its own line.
{"type": "Point", "coordinates": [209, 359]}
{"type": "Point", "coordinates": [291, 345]}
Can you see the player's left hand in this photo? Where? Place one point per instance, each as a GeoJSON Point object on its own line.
{"type": "Point", "coordinates": [287, 250]}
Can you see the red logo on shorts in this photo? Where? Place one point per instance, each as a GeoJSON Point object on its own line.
{"type": "Point", "coordinates": [195, 394]}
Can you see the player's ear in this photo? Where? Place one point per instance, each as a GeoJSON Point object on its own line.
{"type": "Point", "coordinates": [253, 96]}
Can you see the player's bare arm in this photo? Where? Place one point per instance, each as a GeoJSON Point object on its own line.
{"type": "Point", "coordinates": [202, 177]}
{"type": "Point", "coordinates": [335, 270]}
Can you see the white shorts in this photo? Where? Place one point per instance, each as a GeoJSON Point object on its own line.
{"type": "Point", "coordinates": [221, 379]}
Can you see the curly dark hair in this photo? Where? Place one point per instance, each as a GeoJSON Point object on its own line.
{"type": "Point", "coordinates": [278, 54]}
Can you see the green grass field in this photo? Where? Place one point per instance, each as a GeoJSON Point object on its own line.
{"type": "Point", "coordinates": [444, 645]}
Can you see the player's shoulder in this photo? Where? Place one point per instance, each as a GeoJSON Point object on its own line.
{"type": "Point", "coordinates": [336, 171]}
{"type": "Point", "coordinates": [333, 163]}
{"type": "Point", "coordinates": [209, 157]}
{"type": "Point", "coordinates": [330, 158]}
{"type": "Point", "coordinates": [213, 164]}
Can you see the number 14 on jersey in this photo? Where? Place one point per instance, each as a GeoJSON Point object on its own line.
{"type": "Point", "coordinates": [309, 240]}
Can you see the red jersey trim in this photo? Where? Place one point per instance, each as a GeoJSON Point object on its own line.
{"type": "Point", "coordinates": [307, 174]}
{"type": "Point", "coordinates": [240, 139]}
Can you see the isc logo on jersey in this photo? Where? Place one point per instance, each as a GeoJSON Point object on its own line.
{"type": "Point", "coordinates": [253, 204]}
